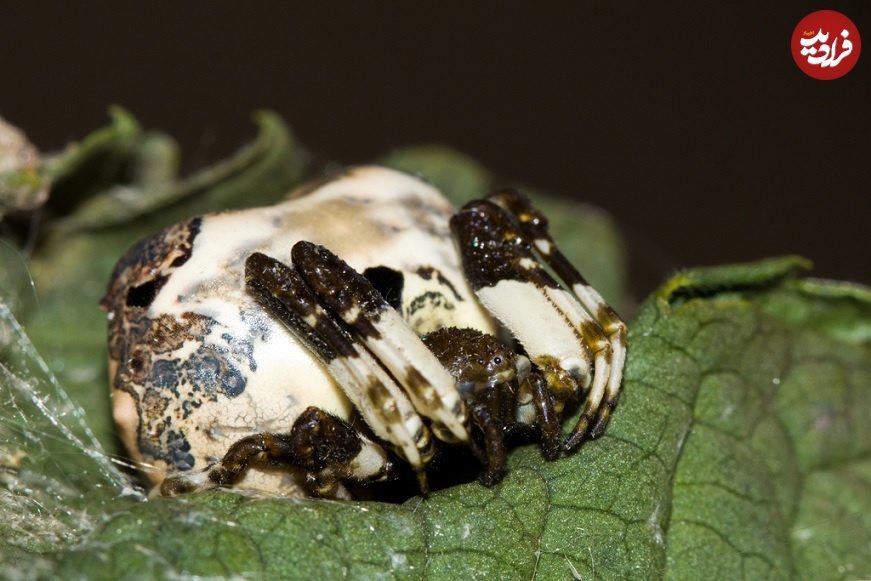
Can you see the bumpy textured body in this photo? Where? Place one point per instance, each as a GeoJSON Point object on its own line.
{"type": "Point", "coordinates": [197, 364]}
{"type": "Point", "coordinates": [298, 348]}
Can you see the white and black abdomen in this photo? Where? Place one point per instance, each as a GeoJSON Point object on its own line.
{"type": "Point", "coordinates": [196, 363]}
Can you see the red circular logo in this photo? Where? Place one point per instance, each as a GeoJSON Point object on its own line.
{"type": "Point", "coordinates": [826, 45]}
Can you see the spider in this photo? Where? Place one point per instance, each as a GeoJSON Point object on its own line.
{"type": "Point", "coordinates": [305, 347]}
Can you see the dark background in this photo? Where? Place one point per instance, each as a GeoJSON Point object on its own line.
{"type": "Point", "coordinates": [688, 121]}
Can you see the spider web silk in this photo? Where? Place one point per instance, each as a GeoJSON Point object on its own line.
{"type": "Point", "coordinates": [50, 461]}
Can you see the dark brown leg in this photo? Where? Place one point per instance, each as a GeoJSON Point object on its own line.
{"type": "Point", "coordinates": [323, 446]}
{"type": "Point", "coordinates": [494, 443]}
{"type": "Point", "coordinates": [548, 420]}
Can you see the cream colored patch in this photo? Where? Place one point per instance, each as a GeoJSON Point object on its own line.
{"type": "Point", "coordinates": [370, 217]}
{"type": "Point", "coordinates": [528, 313]}
{"type": "Point", "coordinates": [370, 462]}
{"type": "Point", "coordinates": [126, 416]}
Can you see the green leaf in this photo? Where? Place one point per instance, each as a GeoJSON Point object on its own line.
{"type": "Point", "coordinates": [740, 447]}
{"type": "Point", "coordinates": [259, 174]}
{"type": "Point", "coordinates": [769, 477]}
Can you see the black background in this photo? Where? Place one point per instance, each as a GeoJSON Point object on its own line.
{"type": "Point", "coordinates": [688, 121]}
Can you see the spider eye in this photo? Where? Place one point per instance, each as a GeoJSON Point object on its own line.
{"type": "Point", "coordinates": [497, 360]}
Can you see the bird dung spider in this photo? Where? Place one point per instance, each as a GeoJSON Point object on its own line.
{"type": "Point", "coordinates": [301, 348]}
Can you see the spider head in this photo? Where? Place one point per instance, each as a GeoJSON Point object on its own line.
{"type": "Point", "coordinates": [478, 362]}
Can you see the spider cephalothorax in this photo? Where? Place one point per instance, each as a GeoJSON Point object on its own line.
{"type": "Point", "coordinates": [245, 347]}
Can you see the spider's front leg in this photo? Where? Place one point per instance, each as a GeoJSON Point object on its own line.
{"type": "Point", "coordinates": [535, 228]}
{"type": "Point", "coordinates": [284, 293]}
{"type": "Point", "coordinates": [353, 299]}
{"type": "Point", "coordinates": [562, 339]}
{"type": "Point", "coordinates": [338, 313]}
{"type": "Point", "coordinates": [446, 390]}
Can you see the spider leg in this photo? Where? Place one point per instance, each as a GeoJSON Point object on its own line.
{"type": "Point", "coordinates": [561, 338]}
{"type": "Point", "coordinates": [494, 443]}
{"type": "Point", "coordinates": [282, 292]}
{"type": "Point", "coordinates": [351, 297]}
{"type": "Point", "coordinates": [328, 449]}
{"type": "Point", "coordinates": [535, 226]}
{"type": "Point", "coordinates": [548, 420]}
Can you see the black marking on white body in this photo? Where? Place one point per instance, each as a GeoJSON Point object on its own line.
{"type": "Point", "coordinates": [239, 342]}
{"type": "Point", "coordinates": [178, 301]}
